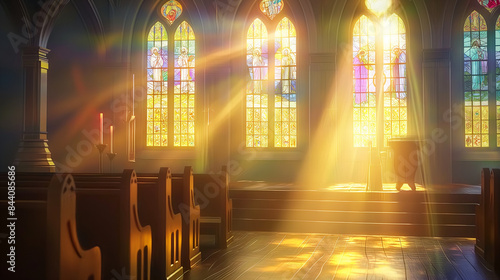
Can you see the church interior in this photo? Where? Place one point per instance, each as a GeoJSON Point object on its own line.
{"type": "Point", "coordinates": [250, 139]}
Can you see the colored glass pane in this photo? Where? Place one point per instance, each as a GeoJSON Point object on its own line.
{"type": "Point", "coordinates": [285, 77]}
{"type": "Point", "coordinates": [476, 81]}
{"type": "Point", "coordinates": [171, 11]}
{"type": "Point", "coordinates": [184, 86]}
{"type": "Point", "coordinates": [157, 86]}
{"type": "Point", "coordinates": [257, 104]}
{"type": "Point", "coordinates": [364, 97]}
{"type": "Point", "coordinates": [394, 77]}
{"type": "Point", "coordinates": [489, 4]}
{"type": "Point", "coordinates": [497, 78]}
{"type": "Point", "coordinates": [271, 7]}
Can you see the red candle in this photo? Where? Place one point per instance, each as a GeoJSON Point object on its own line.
{"type": "Point", "coordinates": [111, 137]}
{"type": "Point", "coordinates": [100, 128]}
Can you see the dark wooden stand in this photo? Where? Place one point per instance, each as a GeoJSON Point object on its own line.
{"type": "Point", "coordinates": [406, 161]}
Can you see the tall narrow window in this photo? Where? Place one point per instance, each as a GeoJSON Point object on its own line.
{"type": "Point", "coordinates": [395, 101]}
{"type": "Point", "coordinates": [157, 98]}
{"type": "Point", "coordinates": [285, 101]}
{"type": "Point", "coordinates": [476, 81]}
{"type": "Point", "coordinates": [271, 105]}
{"type": "Point", "coordinates": [257, 130]}
{"type": "Point", "coordinates": [170, 109]}
{"type": "Point", "coordinates": [365, 108]}
{"type": "Point", "coordinates": [379, 67]}
{"type": "Point", "coordinates": [497, 80]}
{"type": "Point", "coordinates": [184, 88]}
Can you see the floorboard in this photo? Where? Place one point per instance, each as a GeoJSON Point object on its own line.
{"type": "Point", "coordinates": [270, 255]}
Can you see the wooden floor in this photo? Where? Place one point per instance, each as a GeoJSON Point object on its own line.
{"type": "Point", "coordinates": [268, 255]}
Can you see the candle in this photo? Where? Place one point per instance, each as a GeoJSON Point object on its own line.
{"type": "Point", "coordinates": [133, 93]}
{"type": "Point", "coordinates": [100, 128]}
{"type": "Point", "coordinates": [111, 136]}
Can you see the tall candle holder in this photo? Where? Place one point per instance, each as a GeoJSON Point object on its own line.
{"type": "Point", "coordinates": [111, 156]}
{"type": "Point", "coordinates": [100, 148]}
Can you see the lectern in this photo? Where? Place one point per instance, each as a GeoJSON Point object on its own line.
{"type": "Point", "coordinates": [406, 161]}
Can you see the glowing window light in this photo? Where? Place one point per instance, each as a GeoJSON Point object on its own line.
{"type": "Point", "coordinates": [393, 81]}
{"type": "Point", "coordinates": [378, 7]}
{"type": "Point", "coordinates": [476, 81]}
{"type": "Point", "coordinates": [365, 110]}
{"type": "Point", "coordinates": [184, 86]}
{"type": "Point", "coordinates": [285, 98]}
{"type": "Point", "coordinates": [497, 82]}
{"type": "Point", "coordinates": [395, 99]}
{"type": "Point", "coordinates": [157, 87]}
{"type": "Point", "coordinates": [257, 107]}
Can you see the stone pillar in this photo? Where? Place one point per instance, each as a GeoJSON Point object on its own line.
{"type": "Point", "coordinates": [33, 154]}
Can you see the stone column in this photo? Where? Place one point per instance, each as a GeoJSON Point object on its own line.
{"type": "Point", "coordinates": [33, 154]}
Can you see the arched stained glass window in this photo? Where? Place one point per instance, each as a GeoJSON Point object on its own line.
{"type": "Point", "coordinates": [184, 88]}
{"type": "Point", "coordinates": [395, 100]}
{"type": "Point", "coordinates": [476, 81]}
{"type": "Point", "coordinates": [271, 105]}
{"type": "Point", "coordinates": [257, 99]}
{"type": "Point", "coordinates": [285, 108]}
{"type": "Point", "coordinates": [379, 67]}
{"type": "Point", "coordinates": [157, 86]}
{"type": "Point", "coordinates": [365, 103]}
{"type": "Point", "coordinates": [171, 91]}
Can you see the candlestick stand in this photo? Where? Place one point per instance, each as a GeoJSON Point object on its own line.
{"type": "Point", "coordinates": [100, 148]}
{"type": "Point", "coordinates": [111, 156]}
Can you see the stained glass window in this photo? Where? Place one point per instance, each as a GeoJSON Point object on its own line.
{"type": "Point", "coordinates": [271, 7]}
{"type": "Point", "coordinates": [384, 50]}
{"type": "Point", "coordinates": [171, 11]}
{"type": "Point", "coordinates": [184, 89]}
{"type": "Point", "coordinates": [476, 81]}
{"type": "Point", "coordinates": [285, 98]}
{"type": "Point", "coordinates": [365, 107]}
{"type": "Point", "coordinates": [489, 4]}
{"type": "Point", "coordinates": [497, 80]}
{"type": "Point", "coordinates": [170, 109]}
{"type": "Point", "coordinates": [394, 83]}
{"type": "Point", "coordinates": [157, 86]}
{"type": "Point", "coordinates": [257, 107]}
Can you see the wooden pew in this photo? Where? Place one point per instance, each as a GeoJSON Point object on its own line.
{"type": "Point", "coordinates": [107, 211]}
{"type": "Point", "coordinates": [492, 216]}
{"type": "Point", "coordinates": [480, 212]}
{"type": "Point", "coordinates": [212, 194]}
{"type": "Point", "coordinates": [155, 209]}
{"type": "Point", "coordinates": [66, 258]}
{"type": "Point", "coordinates": [46, 244]}
{"type": "Point", "coordinates": [183, 200]}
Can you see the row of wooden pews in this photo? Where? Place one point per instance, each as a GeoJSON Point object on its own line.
{"type": "Point", "coordinates": [45, 244]}
{"type": "Point", "coordinates": [488, 218]}
{"type": "Point", "coordinates": [138, 226]}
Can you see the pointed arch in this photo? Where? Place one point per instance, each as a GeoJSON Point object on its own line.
{"type": "Point", "coordinates": [184, 86]}
{"type": "Point", "coordinates": [364, 92]}
{"type": "Point", "coordinates": [476, 81]}
{"type": "Point", "coordinates": [157, 87]}
{"type": "Point", "coordinates": [394, 79]}
{"type": "Point", "coordinates": [285, 110]}
{"type": "Point", "coordinates": [257, 107]}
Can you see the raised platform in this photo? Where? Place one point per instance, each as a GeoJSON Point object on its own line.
{"type": "Point", "coordinates": [350, 209]}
